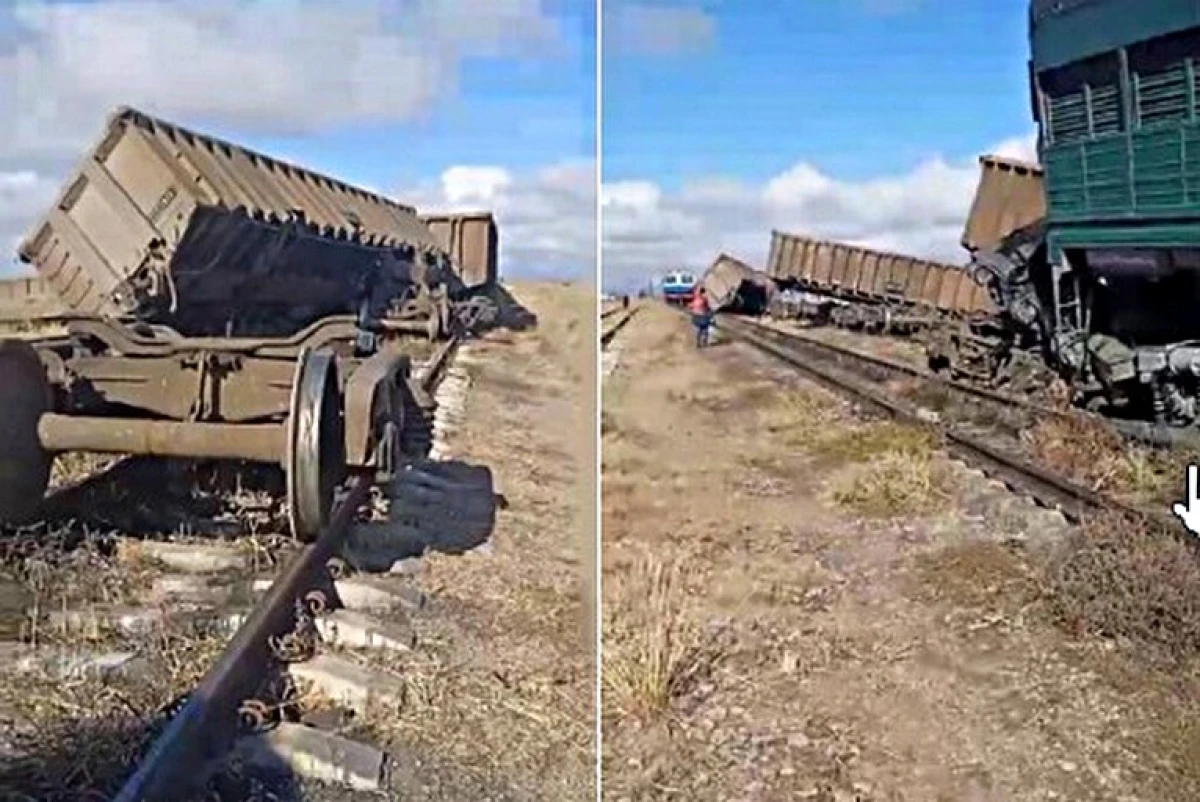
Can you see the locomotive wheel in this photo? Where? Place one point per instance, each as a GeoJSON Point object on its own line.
{"type": "Point", "coordinates": [24, 465]}
{"type": "Point", "coordinates": [316, 449]}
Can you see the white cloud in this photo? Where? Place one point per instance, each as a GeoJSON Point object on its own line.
{"type": "Point", "coordinates": [259, 67]}
{"type": "Point", "coordinates": [267, 66]}
{"type": "Point", "coordinates": [657, 30]}
{"type": "Point", "coordinates": [547, 217]}
{"type": "Point", "coordinates": [921, 212]}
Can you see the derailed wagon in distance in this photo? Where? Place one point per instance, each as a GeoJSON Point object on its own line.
{"type": "Point", "coordinates": [223, 304]}
{"type": "Point", "coordinates": [731, 285]}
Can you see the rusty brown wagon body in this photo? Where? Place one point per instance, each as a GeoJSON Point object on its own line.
{"type": "Point", "coordinates": [161, 223]}
{"type": "Point", "coordinates": [733, 285]}
{"type": "Point", "coordinates": [223, 304]}
{"type": "Point", "coordinates": [1009, 196]}
{"type": "Point", "coordinates": [857, 274]}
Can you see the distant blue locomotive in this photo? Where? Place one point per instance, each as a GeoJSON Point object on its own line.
{"type": "Point", "coordinates": [677, 288]}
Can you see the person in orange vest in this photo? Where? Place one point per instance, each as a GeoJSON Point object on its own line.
{"type": "Point", "coordinates": [701, 316]}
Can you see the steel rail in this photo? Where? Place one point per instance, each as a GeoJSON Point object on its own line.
{"type": "Point", "coordinates": [207, 725]}
{"type": "Point", "coordinates": [607, 336]}
{"type": "Point", "coordinates": [1050, 489]}
{"type": "Point", "coordinates": [896, 366]}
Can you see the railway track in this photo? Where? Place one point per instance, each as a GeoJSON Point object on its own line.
{"type": "Point", "coordinates": [293, 636]}
{"type": "Point", "coordinates": [285, 628]}
{"type": "Point", "coordinates": [979, 426]}
{"type": "Point", "coordinates": [608, 335]}
{"type": "Point", "coordinates": [610, 355]}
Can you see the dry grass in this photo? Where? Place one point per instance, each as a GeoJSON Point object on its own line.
{"type": "Point", "coordinates": [893, 485]}
{"type": "Point", "coordinates": [1115, 580]}
{"type": "Point", "coordinates": [653, 652]}
{"type": "Point", "coordinates": [871, 440]}
{"type": "Point", "coordinates": [75, 466]}
{"type": "Point", "coordinates": [1101, 459]}
{"type": "Point", "coordinates": [500, 686]}
{"type": "Point", "coordinates": [892, 470]}
{"type": "Point", "coordinates": [979, 574]}
{"type": "Point", "coordinates": [795, 419]}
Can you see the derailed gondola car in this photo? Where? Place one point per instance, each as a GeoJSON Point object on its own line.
{"type": "Point", "coordinates": [731, 285]}
{"type": "Point", "coordinates": [223, 304]}
{"type": "Point", "coordinates": [888, 290]}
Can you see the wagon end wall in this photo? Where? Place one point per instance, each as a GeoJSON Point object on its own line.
{"type": "Point", "coordinates": [1010, 195]}
{"type": "Point", "coordinates": [472, 240]}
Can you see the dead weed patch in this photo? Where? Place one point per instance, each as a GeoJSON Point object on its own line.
{"type": "Point", "coordinates": [795, 419]}
{"type": "Point", "coordinates": [893, 485]}
{"type": "Point", "coordinates": [76, 738]}
{"type": "Point", "coordinates": [892, 471]}
{"type": "Point", "coordinates": [979, 574]}
{"type": "Point", "coordinates": [873, 440]}
{"type": "Point", "coordinates": [1097, 456]}
{"type": "Point", "coordinates": [1118, 581]}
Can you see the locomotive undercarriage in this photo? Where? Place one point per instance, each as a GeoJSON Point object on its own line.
{"type": "Point", "coordinates": [1115, 324]}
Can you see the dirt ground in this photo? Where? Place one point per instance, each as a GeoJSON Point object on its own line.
{"type": "Point", "coordinates": [502, 682]}
{"type": "Point", "coordinates": [801, 604]}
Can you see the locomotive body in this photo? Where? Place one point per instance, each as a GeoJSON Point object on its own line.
{"type": "Point", "coordinates": [1106, 280]}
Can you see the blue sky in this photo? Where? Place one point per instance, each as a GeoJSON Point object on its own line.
{"type": "Point", "coordinates": [855, 87]}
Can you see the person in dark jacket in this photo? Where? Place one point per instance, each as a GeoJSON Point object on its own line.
{"type": "Point", "coordinates": [701, 316]}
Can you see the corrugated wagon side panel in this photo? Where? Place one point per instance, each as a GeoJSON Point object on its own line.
{"type": "Point", "coordinates": [949, 289]}
{"type": "Point", "coordinates": [135, 200]}
{"type": "Point", "coordinates": [774, 256]}
{"type": "Point", "coordinates": [822, 271]}
{"type": "Point", "coordinates": [869, 278]}
{"type": "Point", "coordinates": [799, 260]}
{"type": "Point", "coordinates": [839, 267]}
{"type": "Point", "coordinates": [27, 299]}
{"type": "Point", "coordinates": [855, 272]}
{"type": "Point", "coordinates": [855, 261]}
{"type": "Point", "coordinates": [928, 286]}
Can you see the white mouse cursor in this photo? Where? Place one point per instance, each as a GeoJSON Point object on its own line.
{"type": "Point", "coordinates": [1189, 510]}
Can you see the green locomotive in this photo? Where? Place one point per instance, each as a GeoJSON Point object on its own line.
{"type": "Point", "coordinates": [1107, 282]}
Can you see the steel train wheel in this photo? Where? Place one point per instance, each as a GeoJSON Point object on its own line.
{"type": "Point", "coordinates": [316, 449]}
{"type": "Point", "coordinates": [25, 394]}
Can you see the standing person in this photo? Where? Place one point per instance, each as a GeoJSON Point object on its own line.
{"type": "Point", "coordinates": [701, 316]}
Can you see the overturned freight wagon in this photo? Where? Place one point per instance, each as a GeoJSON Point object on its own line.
{"type": "Point", "coordinates": [223, 304]}
{"type": "Point", "coordinates": [732, 285]}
